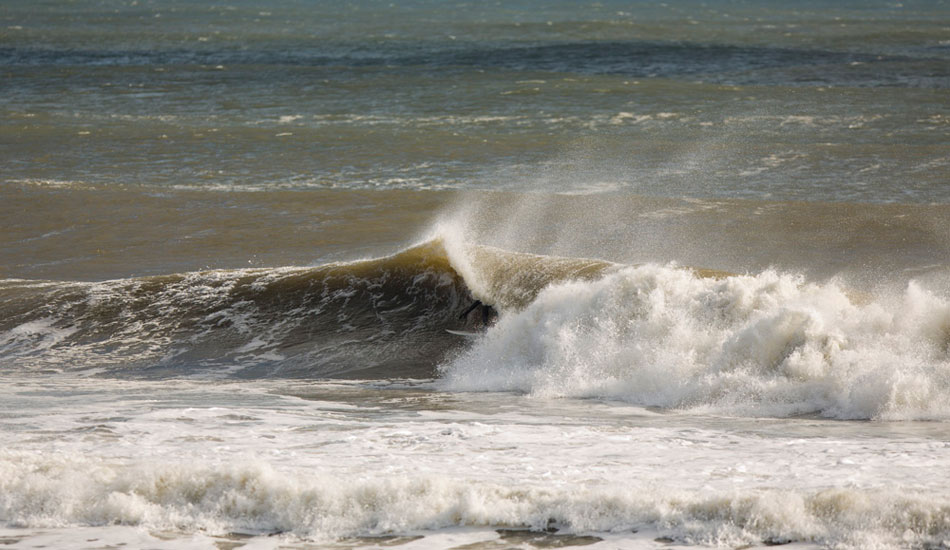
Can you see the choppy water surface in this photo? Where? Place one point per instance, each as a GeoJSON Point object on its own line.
{"type": "Point", "coordinates": [751, 99]}
{"type": "Point", "coordinates": [233, 235]}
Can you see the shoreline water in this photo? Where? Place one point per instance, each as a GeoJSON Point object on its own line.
{"type": "Point", "coordinates": [253, 463]}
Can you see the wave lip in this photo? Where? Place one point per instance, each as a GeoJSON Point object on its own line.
{"type": "Point", "coordinates": [766, 344]}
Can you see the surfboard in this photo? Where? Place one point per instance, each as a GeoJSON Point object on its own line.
{"type": "Point", "coordinates": [464, 333]}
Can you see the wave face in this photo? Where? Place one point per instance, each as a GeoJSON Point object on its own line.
{"type": "Point", "coordinates": [766, 344]}
{"type": "Point", "coordinates": [329, 320]}
{"type": "Point", "coordinates": [381, 317]}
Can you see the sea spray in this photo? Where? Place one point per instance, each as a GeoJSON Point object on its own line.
{"type": "Point", "coordinates": [507, 279]}
{"type": "Point", "coordinates": [769, 343]}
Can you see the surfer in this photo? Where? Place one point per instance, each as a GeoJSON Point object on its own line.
{"type": "Point", "coordinates": [488, 312]}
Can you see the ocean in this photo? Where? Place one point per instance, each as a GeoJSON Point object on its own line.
{"type": "Point", "coordinates": [234, 234]}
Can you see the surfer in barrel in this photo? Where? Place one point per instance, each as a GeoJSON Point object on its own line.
{"type": "Point", "coordinates": [488, 313]}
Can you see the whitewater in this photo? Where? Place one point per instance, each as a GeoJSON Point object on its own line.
{"type": "Point", "coordinates": [353, 463]}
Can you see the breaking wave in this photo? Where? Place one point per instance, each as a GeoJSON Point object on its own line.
{"type": "Point", "coordinates": [770, 344]}
{"type": "Point", "coordinates": [379, 317]}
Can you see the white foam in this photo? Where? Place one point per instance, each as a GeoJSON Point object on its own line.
{"type": "Point", "coordinates": [760, 344]}
{"type": "Point", "coordinates": [54, 492]}
{"type": "Point", "coordinates": [33, 336]}
{"type": "Point", "coordinates": [214, 458]}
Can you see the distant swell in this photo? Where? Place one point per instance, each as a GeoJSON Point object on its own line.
{"type": "Point", "coordinates": [716, 63]}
